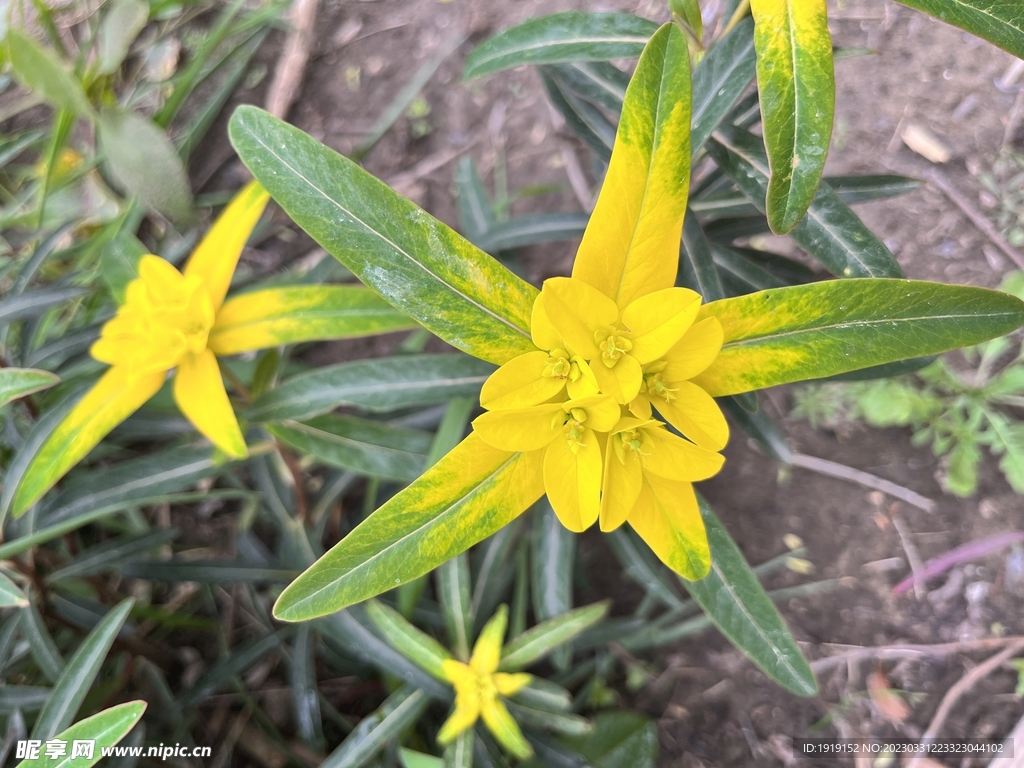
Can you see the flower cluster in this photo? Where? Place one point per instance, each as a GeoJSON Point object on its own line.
{"type": "Point", "coordinates": [587, 398]}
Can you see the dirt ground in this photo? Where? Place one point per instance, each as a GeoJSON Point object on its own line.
{"type": "Point", "coordinates": [714, 708]}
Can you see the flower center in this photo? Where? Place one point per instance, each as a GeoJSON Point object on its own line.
{"type": "Point", "coordinates": [656, 385]}
{"type": "Point", "coordinates": [558, 366]}
{"type": "Point", "coordinates": [165, 316]}
{"type": "Point", "coordinates": [628, 445]}
{"type": "Point", "coordinates": [613, 344]}
{"type": "Point", "coordinates": [574, 429]}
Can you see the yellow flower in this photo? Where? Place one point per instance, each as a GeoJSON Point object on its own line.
{"type": "Point", "coordinates": [180, 322]}
{"type": "Point", "coordinates": [479, 688]}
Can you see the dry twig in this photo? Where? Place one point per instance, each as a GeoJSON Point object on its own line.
{"type": "Point", "coordinates": [962, 686]}
{"type": "Point", "coordinates": [843, 472]}
{"type": "Point", "coordinates": [977, 218]}
{"type": "Point", "coordinates": [916, 565]}
{"type": "Point", "coordinates": [291, 65]}
{"type": "Point", "coordinates": [905, 651]}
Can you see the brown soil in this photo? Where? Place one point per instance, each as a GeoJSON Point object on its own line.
{"type": "Point", "coordinates": [714, 708]}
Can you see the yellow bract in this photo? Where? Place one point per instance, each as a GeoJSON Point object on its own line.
{"type": "Point", "coordinates": [478, 688]}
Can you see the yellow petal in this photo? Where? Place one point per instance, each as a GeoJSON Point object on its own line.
{"type": "Point", "coordinates": [673, 457]}
{"type": "Point", "coordinates": [520, 429]}
{"type": "Point", "coordinates": [506, 684]}
{"type": "Point", "coordinates": [667, 517]}
{"type": "Point", "coordinates": [458, 674]}
{"type": "Point", "coordinates": [199, 393]}
{"type": "Point", "coordinates": [602, 411]}
{"type": "Point", "coordinates": [621, 488]}
{"type": "Point", "coordinates": [659, 320]}
{"type": "Point", "coordinates": [573, 481]}
{"type": "Point", "coordinates": [544, 334]}
{"type": "Point", "coordinates": [631, 245]}
{"type": "Point", "coordinates": [621, 382]}
{"type": "Point", "coordinates": [519, 383]}
{"type": "Point", "coordinates": [465, 714]}
{"type": "Point", "coordinates": [487, 649]}
{"type": "Point", "coordinates": [695, 351]}
{"type": "Point", "coordinates": [577, 310]}
{"type": "Point", "coordinates": [586, 384]}
{"type": "Point", "coordinates": [216, 256]}
{"type": "Point", "coordinates": [640, 406]}
{"type": "Point", "coordinates": [505, 729]}
{"type": "Point", "coordinates": [164, 284]}
{"type": "Point", "coordinates": [112, 399]}
{"type": "Point", "coordinates": [696, 414]}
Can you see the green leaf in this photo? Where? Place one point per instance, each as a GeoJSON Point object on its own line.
{"type": "Point", "coordinates": [557, 722]}
{"type": "Point", "coordinates": [599, 82]}
{"type": "Point", "coordinates": [381, 384]}
{"type": "Point", "coordinates": [552, 553]}
{"type": "Point", "coordinates": [302, 677]}
{"type": "Point", "coordinates": [35, 303]}
{"type": "Point", "coordinates": [403, 708]}
{"type": "Point", "coordinates": [831, 232]}
{"type": "Point", "coordinates": [818, 330]}
{"type": "Point", "coordinates": [735, 601]}
{"type": "Point", "coordinates": [129, 482]}
{"type": "Point", "coordinates": [419, 265]}
{"type": "Point", "coordinates": [79, 674]}
{"type": "Point", "coordinates": [476, 213]}
{"type": "Point", "coordinates": [998, 21]}
{"type": "Point", "coordinates": [740, 274]}
{"type": "Point", "coordinates": [562, 37]}
{"type": "Point", "coordinates": [797, 92]}
{"type": "Point", "coordinates": [16, 383]}
{"type": "Point", "coordinates": [352, 631]}
{"type": "Point", "coordinates": [638, 566]}
{"type": "Point", "coordinates": [143, 161]}
{"type": "Point", "coordinates": [206, 571]}
{"type": "Point", "coordinates": [361, 445]}
{"type": "Point", "coordinates": [619, 740]}
{"type": "Point", "coordinates": [111, 554]}
{"type": "Point", "coordinates": [468, 495]}
{"type": "Point", "coordinates": [221, 673]}
{"type": "Point", "coordinates": [537, 642]}
{"type": "Point", "coordinates": [40, 69]}
{"type": "Point", "coordinates": [106, 729]}
{"type": "Point", "coordinates": [10, 595]}
{"type": "Point", "coordinates": [885, 371]}
{"type": "Point", "coordinates": [584, 119]}
{"type": "Point", "coordinates": [412, 759]}
{"type": "Point", "coordinates": [40, 643]}
{"type": "Point", "coordinates": [414, 644]}
{"type": "Point", "coordinates": [696, 263]}
{"type": "Point", "coordinates": [719, 80]}
{"type": "Point", "coordinates": [27, 698]}
{"type": "Point", "coordinates": [760, 426]}
{"type": "Point", "coordinates": [532, 229]}
{"type": "Point", "coordinates": [120, 26]}
{"type": "Point", "coordinates": [453, 594]}
{"type": "Point", "coordinates": [119, 261]}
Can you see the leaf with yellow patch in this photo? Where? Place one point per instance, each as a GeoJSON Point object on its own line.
{"type": "Point", "coordinates": [469, 494]}
{"type": "Point", "coordinates": [291, 315]}
{"type": "Point", "coordinates": [631, 246]}
{"type": "Point", "coordinates": [823, 329]}
{"type": "Point", "coordinates": [796, 85]}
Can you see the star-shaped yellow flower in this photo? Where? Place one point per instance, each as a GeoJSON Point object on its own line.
{"type": "Point", "coordinates": [479, 688]}
{"type": "Point", "coordinates": [179, 323]}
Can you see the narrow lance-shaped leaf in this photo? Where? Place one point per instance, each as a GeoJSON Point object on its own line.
{"type": "Point", "coordinates": [998, 21]}
{"type": "Point", "coordinates": [403, 708]}
{"type": "Point", "coordinates": [381, 384]}
{"type": "Point", "coordinates": [736, 602]}
{"type": "Point", "coordinates": [719, 80]}
{"type": "Point", "coordinates": [630, 246]}
{"type": "Point", "coordinates": [419, 265]}
{"type": "Point", "coordinates": [697, 269]}
{"type": "Point", "coordinates": [468, 495]}
{"type": "Point", "coordinates": [831, 232]}
{"type": "Point", "coordinates": [16, 383]}
{"type": "Point", "coordinates": [553, 552]}
{"type": "Point", "coordinates": [361, 445]}
{"type": "Point", "coordinates": [10, 595]}
{"type": "Point", "coordinates": [79, 674]}
{"type": "Point", "coordinates": [562, 37]}
{"type": "Point", "coordinates": [822, 329]}
{"type": "Point", "coordinates": [40, 70]}
{"type": "Point", "coordinates": [537, 642]}
{"type": "Point", "coordinates": [105, 729]}
{"type": "Point", "coordinates": [797, 94]}
{"type": "Point", "coordinates": [412, 642]}
{"type": "Point", "coordinates": [277, 316]}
